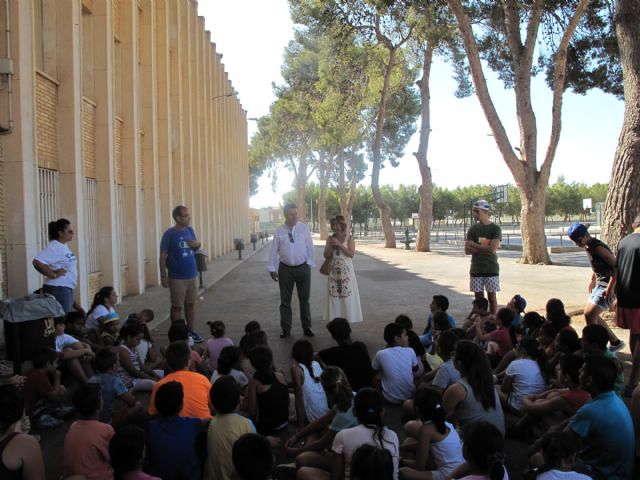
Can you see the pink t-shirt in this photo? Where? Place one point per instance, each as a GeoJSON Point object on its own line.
{"type": "Point", "coordinates": [214, 347]}
{"type": "Point", "coordinates": [86, 450]}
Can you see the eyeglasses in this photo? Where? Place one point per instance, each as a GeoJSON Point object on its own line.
{"type": "Point", "coordinates": [291, 237]}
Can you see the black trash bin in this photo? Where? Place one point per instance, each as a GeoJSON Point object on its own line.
{"type": "Point", "coordinates": [28, 326]}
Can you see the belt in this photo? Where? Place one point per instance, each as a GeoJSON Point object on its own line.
{"type": "Point", "coordinates": [292, 266]}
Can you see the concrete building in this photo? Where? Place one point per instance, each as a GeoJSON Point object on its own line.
{"type": "Point", "coordinates": [113, 112]}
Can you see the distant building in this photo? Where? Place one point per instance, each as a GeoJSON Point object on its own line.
{"type": "Point", "coordinates": [112, 113]}
{"type": "Point", "coordinates": [271, 215]}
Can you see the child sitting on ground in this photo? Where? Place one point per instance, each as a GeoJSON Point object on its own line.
{"type": "Point", "coordinates": [43, 392]}
{"type": "Point", "coordinates": [217, 343]}
{"type": "Point", "coordinates": [74, 325]}
{"type": "Point", "coordinates": [86, 445]}
{"type": "Point", "coordinates": [369, 408]}
{"type": "Point", "coordinates": [517, 304]}
{"type": "Point", "coordinates": [524, 376]}
{"type": "Point", "coordinates": [594, 342]}
{"type": "Point", "coordinates": [555, 405]}
{"type": "Point", "coordinates": [268, 393]}
{"type": "Point", "coordinates": [415, 344]}
{"type": "Point", "coordinates": [109, 327]}
{"type": "Point", "coordinates": [479, 313]}
{"type": "Point", "coordinates": [74, 355]}
{"type": "Point", "coordinates": [248, 343]}
{"type": "Point", "coordinates": [483, 450]}
{"type": "Point", "coordinates": [171, 439]}
{"type": "Point", "coordinates": [225, 428]}
{"type": "Point", "coordinates": [440, 303]}
{"type": "Point", "coordinates": [126, 450]}
{"type": "Point", "coordinates": [133, 373]}
{"type": "Point", "coordinates": [150, 355]}
{"type": "Point", "coordinates": [252, 457]}
{"type": "Point", "coordinates": [310, 399]}
{"type": "Point", "coordinates": [179, 331]}
{"type": "Point", "coordinates": [447, 374]}
{"type": "Point", "coordinates": [559, 454]}
{"type": "Point", "coordinates": [395, 365]}
{"type": "Point", "coordinates": [229, 364]}
{"type": "Point", "coordinates": [500, 342]}
{"type": "Point", "coordinates": [106, 363]}
{"type": "Point", "coordinates": [310, 445]}
{"type": "Point", "coordinates": [351, 356]}
{"type": "Point", "coordinates": [430, 436]}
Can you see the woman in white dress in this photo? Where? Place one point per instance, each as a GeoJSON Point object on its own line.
{"type": "Point", "coordinates": [343, 299]}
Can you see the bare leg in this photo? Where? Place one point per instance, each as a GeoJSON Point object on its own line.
{"type": "Point", "coordinates": [176, 313]}
{"type": "Point", "coordinates": [316, 460]}
{"type": "Point", "coordinates": [189, 313]}
{"type": "Point", "coordinates": [493, 302]}
{"type": "Point", "coordinates": [509, 357]}
{"type": "Point", "coordinates": [76, 369]}
{"type": "Point", "coordinates": [634, 375]}
{"type": "Point", "coordinates": [592, 315]}
{"type": "Point", "coordinates": [310, 473]}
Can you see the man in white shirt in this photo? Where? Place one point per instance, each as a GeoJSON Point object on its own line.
{"type": "Point", "coordinates": [293, 247]}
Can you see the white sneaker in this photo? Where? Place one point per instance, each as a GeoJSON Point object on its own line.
{"type": "Point", "coordinates": [617, 347]}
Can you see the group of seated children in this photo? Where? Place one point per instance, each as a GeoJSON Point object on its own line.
{"type": "Point", "coordinates": [214, 412]}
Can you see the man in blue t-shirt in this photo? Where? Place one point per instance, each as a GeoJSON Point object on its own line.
{"type": "Point", "coordinates": [178, 267]}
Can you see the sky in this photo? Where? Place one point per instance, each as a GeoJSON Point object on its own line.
{"type": "Point", "coordinates": [252, 35]}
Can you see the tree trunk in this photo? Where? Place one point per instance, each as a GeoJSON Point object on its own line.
{"type": "Point", "coordinates": [353, 185]}
{"type": "Point", "coordinates": [423, 243]}
{"type": "Point", "coordinates": [385, 211]}
{"type": "Point", "coordinates": [324, 174]}
{"type": "Point", "coordinates": [301, 188]}
{"type": "Point", "coordinates": [531, 182]}
{"type": "Point", "coordinates": [342, 189]}
{"type": "Point", "coordinates": [623, 200]}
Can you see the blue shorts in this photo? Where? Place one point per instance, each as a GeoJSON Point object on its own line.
{"type": "Point", "coordinates": [597, 297]}
{"type": "Point", "coordinates": [64, 295]}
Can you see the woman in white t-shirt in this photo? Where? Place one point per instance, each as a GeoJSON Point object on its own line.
{"type": "Point", "coordinates": [524, 376]}
{"type": "Point", "coordinates": [103, 302]}
{"type": "Point", "coordinates": [59, 265]}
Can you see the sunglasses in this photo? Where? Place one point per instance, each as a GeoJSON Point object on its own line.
{"type": "Point", "coordinates": [291, 237]}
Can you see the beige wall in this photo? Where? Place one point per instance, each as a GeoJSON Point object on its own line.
{"type": "Point", "coordinates": [114, 101]}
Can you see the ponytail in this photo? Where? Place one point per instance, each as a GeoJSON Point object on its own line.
{"type": "Point", "coordinates": [368, 406]}
{"type": "Point", "coordinates": [428, 405]}
{"type": "Point", "coordinates": [531, 348]}
{"type": "Point", "coordinates": [217, 328]}
{"type": "Point", "coordinates": [302, 352]}
{"type": "Point", "coordinates": [336, 387]}
{"type": "Point", "coordinates": [496, 465]}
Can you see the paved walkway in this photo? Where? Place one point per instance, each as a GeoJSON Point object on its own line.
{"type": "Point", "coordinates": [390, 282]}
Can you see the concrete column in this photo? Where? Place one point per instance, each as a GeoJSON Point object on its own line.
{"type": "Point", "coordinates": [103, 96]}
{"type": "Point", "coordinates": [206, 138]}
{"type": "Point", "coordinates": [175, 61]}
{"type": "Point", "coordinates": [19, 158]}
{"type": "Point", "coordinates": [185, 100]}
{"type": "Point", "coordinates": [163, 115]}
{"type": "Point", "coordinates": [69, 72]}
{"type": "Point", "coordinates": [131, 147]}
{"type": "Point", "coordinates": [149, 124]}
{"type": "Point", "coordinates": [217, 152]}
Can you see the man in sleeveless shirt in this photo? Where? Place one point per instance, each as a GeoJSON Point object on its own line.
{"type": "Point", "coordinates": [603, 279]}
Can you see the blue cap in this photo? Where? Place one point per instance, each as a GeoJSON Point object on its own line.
{"type": "Point", "coordinates": [576, 231]}
{"type": "Point", "coordinates": [520, 302]}
{"type": "Point", "coordinates": [481, 204]}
